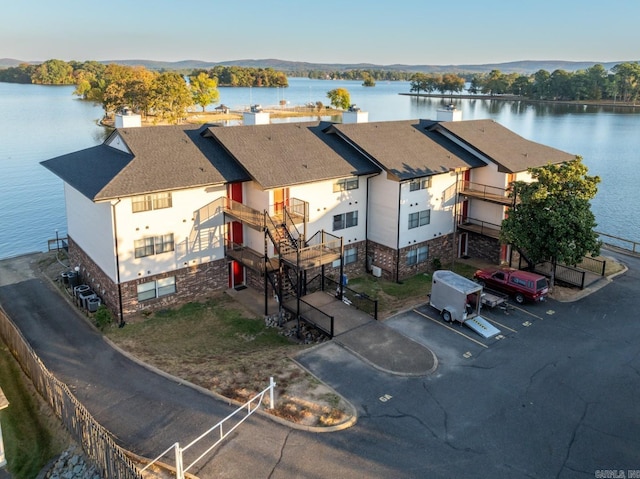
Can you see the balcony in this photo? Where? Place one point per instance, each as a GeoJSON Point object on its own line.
{"type": "Point", "coordinates": [322, 248]}
{"type": "Point", "coordinates": [486, 192]}
{"type": "Point", "coordinates": [250, 258]}
{"type": "Point", "coordinates": [478, 226]}
{"type": "Point", "coordinates": [243, 213]}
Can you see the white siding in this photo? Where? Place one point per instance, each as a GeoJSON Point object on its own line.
{"type": "Point", "coordinates": [441, 216]}
{"type": "Point", "coordinates": [90, 224]}
{"type": "Point", "coordinates": [383, 211]}
{"type": "Point", "coordinates": [324, 204]}
{"type": "Point", "coordinates": [196, 221]}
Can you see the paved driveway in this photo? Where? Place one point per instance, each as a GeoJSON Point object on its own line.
{"type": "Point", "coordinates": [559, 398]}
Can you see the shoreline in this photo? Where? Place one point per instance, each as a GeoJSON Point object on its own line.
{"type": "Point", "coordinates": [467, 96]}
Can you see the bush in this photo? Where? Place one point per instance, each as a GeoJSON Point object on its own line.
{"type": "Point", "coordinates": [103, 317]}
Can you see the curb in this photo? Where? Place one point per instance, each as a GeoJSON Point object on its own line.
{"type": "Point", "coordinates": [352, 419]}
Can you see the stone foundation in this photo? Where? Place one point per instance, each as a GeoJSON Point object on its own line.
{"type": "Point", "coordinates": [393, 263]}
{"type": "Point", "coordinates": [193, 283]}
{"type": "Point", "coordinates": [483, 247]}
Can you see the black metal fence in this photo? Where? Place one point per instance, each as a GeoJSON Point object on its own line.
{"type": "Point", "coordinates": [359, 300]}
{"type": "Point", "coordinates": [96, 441]}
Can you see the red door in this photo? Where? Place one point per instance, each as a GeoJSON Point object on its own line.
{"type": "Point", "coordinates": [235, 236]}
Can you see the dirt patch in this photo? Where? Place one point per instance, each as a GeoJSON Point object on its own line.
{"type": "Point", "coordinates": [223, 347]}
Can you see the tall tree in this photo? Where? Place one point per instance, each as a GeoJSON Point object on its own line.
{"type": "Point", "coordinates": [204, 90]}
{"type": "Point", "coordinates": [451, 83]}
{"type": "Point", "coordinates": [339, 98]}
{"type": "Point", "coordinates": [552, 218]}
{"type": "Point", "coordinates": [53, 72]}
{"type": "Point", "coordinates": [170, 97]}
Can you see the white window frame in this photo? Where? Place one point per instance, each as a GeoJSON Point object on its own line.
{"type": "Point", "coordinates": [350, 256]}
{"type": "Point", "coordinates": [420, 184]}
{"type": "Point", "coordinates": [155, 201]}
{"type": "Point", "coordinates": [417, 255]}
{"type": "Point", "coordinates": [345, 184]}
{"type": "Point", "coordinates": [345, 220]}
{"type": "Point", "coordinates": [156, 288]}
{"type": "Point", "coordinates": [152, 245]}
{"type": "Point", "coordinates": [419, 218]}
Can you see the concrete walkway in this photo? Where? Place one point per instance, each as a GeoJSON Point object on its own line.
{"type": "Point", "coordinates": [372, 341]}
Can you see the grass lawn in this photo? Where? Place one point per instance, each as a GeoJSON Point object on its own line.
{"type": "Point", "coordinates": [222, 347]}
{"type": "Point", "coordinates": [394, 297]}
{"type": "Point", "coordinates": [33, 435]}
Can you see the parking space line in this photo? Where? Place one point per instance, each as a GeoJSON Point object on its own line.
{"type": "Point", "coordinates": [527, 312]}
{"type": "Point", "coordinates": [500, 324]}
{"type": "Point", "coordinates": [450, 328]}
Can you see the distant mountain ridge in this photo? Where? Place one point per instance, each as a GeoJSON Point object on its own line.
{"type": "Point", "coordinates": [523, 66]}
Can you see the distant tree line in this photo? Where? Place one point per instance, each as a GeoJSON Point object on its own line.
{"type": "Point", "coordinates": [622, 83]}
{"type": "Point", "coordinates": [355, 74]}
{"type": "Point", "coordinates": [59, 72]}
{"type": "Point", "coordinates": [164, 94]}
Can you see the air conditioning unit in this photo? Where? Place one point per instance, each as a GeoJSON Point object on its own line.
{"type": "Point", "coordinates": [376, 271]}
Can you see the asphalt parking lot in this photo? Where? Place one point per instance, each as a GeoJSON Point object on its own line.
{"type": "Point", "coordinates": [425, 325]}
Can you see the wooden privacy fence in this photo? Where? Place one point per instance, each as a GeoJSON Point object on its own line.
{"type": "Point", "coordinates": [96, 441]}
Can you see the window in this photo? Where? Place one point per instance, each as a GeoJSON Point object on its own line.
{"type": "Point", "coordinates": [350, 255]}
{"type": "Point", "coordinates": [346, 184]}
{"type": "Point", "coordinates": [151, 202]}
{"type": "Point", "coordinates": [420, 184]}
{"type": "Point", "coordinates": [420, 218]}
{"type": "Point", "coordinates": [153, 245]}
{"type": "Point", "coordinates": [157, 288]}
{"type": "Point", "coordinates": [345, 220]}
{"type": "Point", "coordinates": [418, 255]}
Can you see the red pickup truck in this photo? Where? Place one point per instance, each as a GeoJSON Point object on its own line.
{"type": "Point", "coordinates": [521, 285]}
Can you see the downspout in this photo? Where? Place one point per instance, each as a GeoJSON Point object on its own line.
{"type": "Point", "coordinates": [398, 235]}
{"type": "Point", "coordinates": [115, 236]}
{"type": "Point", "coordinates": [366, 225]}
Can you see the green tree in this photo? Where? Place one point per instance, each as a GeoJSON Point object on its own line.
{"type": "Point", "coordinates": [552, 218]}
{"type": "Point", "coordinates": [496, 83]}
{"type": "Point", "coordinates": [418, 83]}
{"type": "Point", "coordinates": [204, 90]}
{"type": "Point", "coordinates": [451, 83]}
{"type": "Point", "coordinates": [170, 97]}
{"type": "Point", "coordinates": [627, 77]}
{"type": "Point", "coordinates": [339, 98]}
{"type": "Point", "coordinates": [368, 79]}
{"type": "Point", "coordinates": [53, 72]}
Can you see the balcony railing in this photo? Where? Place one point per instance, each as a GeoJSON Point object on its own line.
{"type": "Point", "coordinates": [250, 258]}
{"type": "Point", "coordinates": [485, 192]}
{"type": "Point", "coordinates": [478, 226]}
{"type": "Point", "coordinates": [244, 213]}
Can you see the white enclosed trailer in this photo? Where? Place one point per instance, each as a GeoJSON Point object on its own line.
{"type": "Point", "coordinates": [459, 299]}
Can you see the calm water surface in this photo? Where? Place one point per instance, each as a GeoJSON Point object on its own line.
{"type": "Point", "coordinates": [41, 122]}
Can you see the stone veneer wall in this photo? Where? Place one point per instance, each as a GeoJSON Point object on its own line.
{"type": "Point", "coordinates": [483, 247]}
{"type": "Point", "coordinates": [358, 268]}
{"type": "Point", "coordinates": [387, 258]}
{"type": "Point", "coordinates": [193, 283]}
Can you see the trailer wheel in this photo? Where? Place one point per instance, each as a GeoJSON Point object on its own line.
{"type": "Point", "coordinates": [446, 315]}
{"type": "Point", "coordinates": [519, 298]}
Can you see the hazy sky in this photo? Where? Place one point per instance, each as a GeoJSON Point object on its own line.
{"type": "Point", "coordinates": [328, 31]}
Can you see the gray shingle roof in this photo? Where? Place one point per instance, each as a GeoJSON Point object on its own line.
{"type": "Point", "coordinates": [163, 158]}
{"type": "Point", "coordinates": [279, 155]}
{"type": "Point", "coordinates": [509, 150]}
{"type": "Point", "coordinates": [407, 149]}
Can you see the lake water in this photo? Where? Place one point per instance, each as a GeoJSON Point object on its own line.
{"type": "Point", "coordinates": [41, 122]}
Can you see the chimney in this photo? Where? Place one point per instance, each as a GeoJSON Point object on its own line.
{"type": "Point", "coordinates": [355, 115]}
{"type": "Point", "coordinates": [256, 116]}
{"type": "Point", "coordinates": [126, 118]}
{"type": "Point", "coordinates": [449, 113]}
